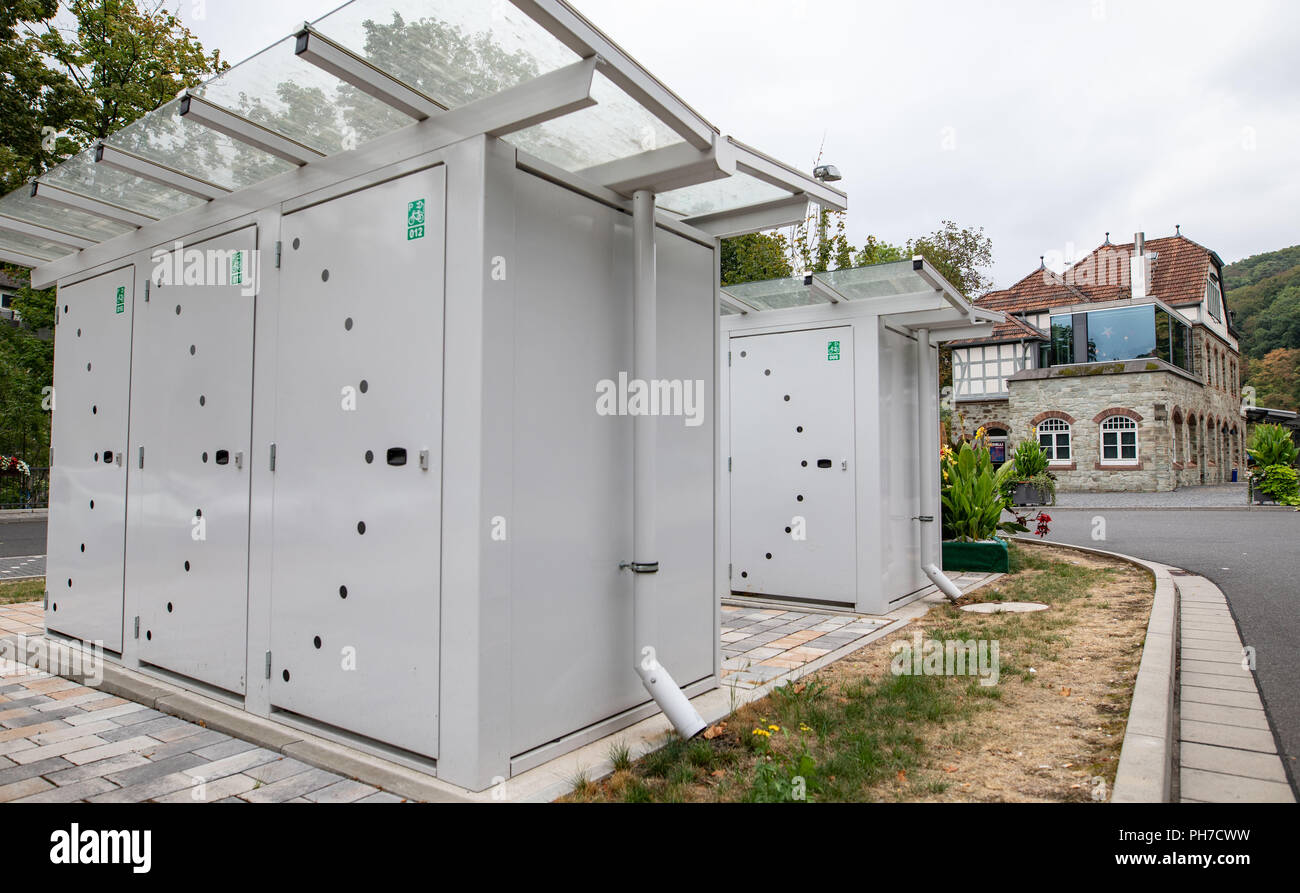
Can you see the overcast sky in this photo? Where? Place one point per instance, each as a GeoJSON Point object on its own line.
{"type": "Point", "coordinates": [1046, 122]}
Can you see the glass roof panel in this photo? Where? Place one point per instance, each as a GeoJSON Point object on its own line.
{"type": "Point", "coordinates": [302, 101]}
{"type": "Point", "coordinates": [81, 174]}
{"type": "Point", "coordinates": [454, 51]}
{"type": "Point", "coordinates": [32, 246]}
{"type": "Point", "coordinates": [736, 191]}
{"type": "Point", "coordinates": [20, 204]}
{"type": "Point", "coordinates": [774, 294]}
{"type": "Point", "coordinates": [876, 281]}
{"type": "Point", "coordinates": [616, 127]}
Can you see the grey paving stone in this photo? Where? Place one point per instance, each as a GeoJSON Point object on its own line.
{"type": "Point", "coordinates": [224, 749]}
{"type": "Point", "coordinates": [14, 745]}
{"type": "Point", "coordinates": [345, 791]}
{"type": "Point", "coordinates": [147, 790]}
{"type": "Point", "coordinates": [103, 752]}
{"type": "Point", "coordinates": [186, 745]}
{"type": "Point", "coordinates": [1215, 787]}
{"type": "Point", "coordinates": [1217, 680]}
{"type": "Point", "coordinates": [141, 716]}
{"type": "Point", "coordinates": [32, 770]}
{"type": "Point", "coordinates": [63, 734]}
{"type": "Point", "coordinates": [1214, 668]}
{"type": "Point", "coordinates": [1198, 694]}
{"type": "Point", "coordinates": [36, 718]}
{"type": "Point", "coordinates": [96, 769]}
{"type": "Point", "coordinates": [271, 772]}
{"type": "Point", "coordinates": [293, 786]}
{"type": "Point", "coordinates": [57, 749]}
{"type": "Point", "coordinates": [29, 701]}
{"type": "Point", "coordinates": [5, 763]}
{"type": "Point", "coordinates": [1226, 736]}
{"type": "Point", "coordinates": [107, 713]}
{"type": "Point", "coordinates": [229, 800]}
{"type": "Point", "coordinates": [1201, 654]}
{"type": "Point", "coordinates": [1231, 761]}
{"type": "Point", "coordinates": [222, 790]}
{"type": "Point", "coordinates": [184, 729]}
{"type": "Point", "coordinates": [80, 790]}
{"type": "Point", "coordinates": [244, 762]}
{"type": "Point", "coordinates": [382, 797]}
{"type": "Point", "coordinates": [24, 788]}
{"type": "Point", "coordinates": [155, 769]}
{"type": "Point", "coordinates": [1230, 716]}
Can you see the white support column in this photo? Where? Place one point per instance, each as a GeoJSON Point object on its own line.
{"type": "Point", "coordinates": [645, 562]}
{"type": "Point", "coordinates": [927, 429]}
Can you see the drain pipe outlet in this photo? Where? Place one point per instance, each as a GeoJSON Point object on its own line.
{"type": "Point", "coordinates": [645, 568]}
{"type": "Point", "coordinates": [927, 437]}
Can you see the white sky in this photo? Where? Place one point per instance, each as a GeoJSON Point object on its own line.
{"type": "Point", "coordinates": [1047, 122]}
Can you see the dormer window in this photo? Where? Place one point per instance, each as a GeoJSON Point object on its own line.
{"type": "Point", "coordinates": [1213, 297]}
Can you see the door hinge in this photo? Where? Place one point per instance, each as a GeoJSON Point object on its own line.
{"type": "Point", "coordinates": [268, 665]}
{"type": "Point", "coordinates": [137, 626]}
{"type": "Point", "coordinates": [728, 358]}
{"type": "Point", "coordinates": [142, 457]}
{"type": "Point", "coordinates": [273, 457]}
{"type": "Point", "coordinates": [277, 255]}
{"type": "Point", "coordinates": [728, 463]}
{"type": "Point", "coordinates": [729, 572]}
{"type": "Point", "coordinates": [147, 283]}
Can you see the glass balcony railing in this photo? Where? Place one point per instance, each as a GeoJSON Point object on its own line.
{"type": "Point", "coordinates": [1121, 333]}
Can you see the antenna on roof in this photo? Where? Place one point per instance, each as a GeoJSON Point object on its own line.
{"type": "Point", "coordinates": [1107, 237]}
{"type": "Point", "coordinates": [1178, 230]}
{"type": "Point", "coordinates": [1042, 265]}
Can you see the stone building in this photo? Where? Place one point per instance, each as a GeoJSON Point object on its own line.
{"type": "Point", "coordinates": [1125, 367]}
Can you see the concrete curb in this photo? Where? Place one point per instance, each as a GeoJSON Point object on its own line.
{"type": "Point", "coordinates": [275, 736]}
{"type": "Point", "coordinates": [1148, 756]}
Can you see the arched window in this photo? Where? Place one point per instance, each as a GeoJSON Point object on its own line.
{"type": "Point", "coordinates": [1054, 438]}
{"type": "Point", "coordinates": [1119, 441]}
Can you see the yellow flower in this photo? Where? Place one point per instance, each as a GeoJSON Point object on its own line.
{"type": "Point", "coordinates": [775, 728]}
{"type": "Point", "coordinates": [804, 728]}
{"type": "Point", "coordinates": [763, 732]}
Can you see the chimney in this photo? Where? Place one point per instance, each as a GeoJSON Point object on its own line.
{"type": "Point", "coordinates": [1139, 268]}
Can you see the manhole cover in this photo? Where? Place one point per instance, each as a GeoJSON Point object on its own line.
{"type": "Point", "coordinates": [1004, 607]}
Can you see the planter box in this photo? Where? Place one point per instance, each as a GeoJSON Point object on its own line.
{"type": "Point", "coordinates": [1027, 494]}
{"type": "Point", "coordinates": [988, 556]}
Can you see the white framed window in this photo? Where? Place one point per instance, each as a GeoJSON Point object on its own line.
{"type": "Point", "coordinates": [1213, 298]}
{"type": "Point", "coordinates": [1119, 441]}
{"type": "Point", "coordinates": [1054, 438]}
{"type": "Point", "coordinates": [983, 371]}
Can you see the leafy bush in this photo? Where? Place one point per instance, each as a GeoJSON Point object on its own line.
{"type": "Point", "coordinates": [1280, 483]}
{"type": "Point", "coordinates": [1030, 460]}
{"type": "Point", "coordinates": [1272, 445]}
{"type": "Point", "coordinates": [972, 493]}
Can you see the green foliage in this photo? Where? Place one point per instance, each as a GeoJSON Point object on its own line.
{"type": "Point", "coordinates": [1272, 445]}
{"type": "Point", "coordinates": [754, 258]}
{"type": "Point", "coordinates": [1029, 459]}
{"type": "Point", "coordinates": [973, 494]}
{"type": "Point", "coordinates": [1280, 483]}
{"type": "Point", "coordinates": [1264, 294]}
{"type": "Point", "coordinates": [1259, 267]}
{"type": "Point", "coordinates": [1276, 378]}
{"type": "Point", "coordinates": [961, 255]}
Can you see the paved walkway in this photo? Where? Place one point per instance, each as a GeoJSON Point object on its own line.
{"type": "Point", "coordinates": [1215, 496]}
{"type": "Point", "coordinates": [22, 566]}
{"type": "Point", "coordinates": [1227, 753]}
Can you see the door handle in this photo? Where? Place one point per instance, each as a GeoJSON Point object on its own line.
{"type": "Point", "coordinates": [824, 463]}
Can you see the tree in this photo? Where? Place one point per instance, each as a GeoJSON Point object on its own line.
{"type": "Point", "coordinates": [33, 96]}
{"type": "Point", "coordinates": [755, 257]}
{"type": "Point", "coordinates": [961, 255]}
{"type": "Point", "coordinates": [1276, 379]}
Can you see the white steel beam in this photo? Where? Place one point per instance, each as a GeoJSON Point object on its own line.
{"type": "Point", "coordinates": [735, 303]}
{"type": "Point", "coordinates": [661, 170]}
{"type": "Point", "coordinates": [569, 27]}
{"type": "Point", "coordinates": [553, 95]}
{"type": "Point", "coordinates": [21, 260]}
{"type": "Point", "coordinates": [199, 110]}
{"type": "Point", "coordinates": [347, 66]}
{"type": "Point", "coordinates": [58, 237]}
{"type": "Point", "coordinates": [752, 218]}
{"type": "Point", "coordinates": [158, 173]}
{"type": "Point", "coordinates": [769, 170]}
{"type": "Point", "coordinates": [66, 198]}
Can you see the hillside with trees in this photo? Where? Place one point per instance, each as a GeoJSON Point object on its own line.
{"type": "Point", "coordinates": [1263, 291]}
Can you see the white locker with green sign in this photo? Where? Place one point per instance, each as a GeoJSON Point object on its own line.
{"type": "Point", "coordinates": [825, 424]}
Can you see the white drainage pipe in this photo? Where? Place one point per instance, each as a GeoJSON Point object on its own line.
{"type": "Point", "coordinates": [645, 626]}
{"type": "Point", "coordinates": [927, 438]}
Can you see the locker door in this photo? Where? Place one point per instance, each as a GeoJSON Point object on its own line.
{"type": "Point", "coordinates": [357, 483]}
{"type": "Point", "coordinates": [191, 415]}
{"type": "Point", "coordinates": [92, 384]}
{"type": "Point", "coordinates": [793, 524]}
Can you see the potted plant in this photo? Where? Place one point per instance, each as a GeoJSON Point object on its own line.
{"type": "Point", "coordinates": [1273, 478]}
{"type": "Point", "coordinates": [973, 500]}
{"type": "Point", "coordinates": [1032, 483]}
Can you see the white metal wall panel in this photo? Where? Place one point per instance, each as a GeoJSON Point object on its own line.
{"type": "Point", "coordinates": [355, 609]}
{"type": "Point", "coordinates": [899, 478]}
{"type": "Point", "coordinates": [191, 416]}
{"type": "Point", "coordinates": [571, 606]}
{"type": "Point", "coordinates": [792, 461]}
{"type": "Point", "coordinates": [87, 523]}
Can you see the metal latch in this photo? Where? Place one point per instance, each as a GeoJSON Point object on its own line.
{"type": "Point", "coordinates": [142, 457]}
{"type": "Point", "coordinates": [137, 626]}
{"type": "Point", "coordinates": [424, 460]}
{"type": "Point", "coordinates": [641, 567]}
{"type": "Point", "coordinates": [268, 665]}
{"type": "Point", "coordinates": [239, 459]}
{"type": "Point", "coordinates": [273, 457]}
{"type": "Point", "coordinates": [924, 518]}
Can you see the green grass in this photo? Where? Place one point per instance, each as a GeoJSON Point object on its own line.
{"type": "Point", "coordinates": [863, 738]}
{"type": "Point", "coordinates": [22, 591]}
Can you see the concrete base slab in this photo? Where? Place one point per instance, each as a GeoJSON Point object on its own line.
{"type": "Point", "coordinates": [1005, 607]}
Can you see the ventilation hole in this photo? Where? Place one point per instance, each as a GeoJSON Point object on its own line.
{"type": "Point", "coordinates": [187, 567]}
{"type": "Point", "coordinates": [92, 503]}
{"type": "Point", "coordinates": [296, 243]}
{"type": "Point", "coordinates": [192, 349]}
{"type": "Point", "coordinates": [799, 497]}
{"type": "Point", "coordinates": [788, 530]}
{"type": "Point", "coordinates": [285, 675]}
{"type": "Point", "coordinates": [361, 527]}
{"type": "Point", "coordinates": [69, 582]}
{"type": "Point", "coordinates": [78, 333]}
{"type": "Point", "coordinates": [148, 634]}
{"type": "Point", "coordinates": [203, 400]}
{"type": "Point", "coordinates": [56, 606]}
{"type": "Point", "coordinates": [804, 463]}
{"type": "Point", "coordinates": [198, 513]}
{"type": "Point", "coordinates": [97, 457]}
{"type": "Point", "coordinates": [178, 309]}
{"type": "Point", "coordinates": [108, 457]}
{"type": "Point", "coordinates": [365, 385]}
{"type": "Point", "coordinates": [787, 398]}
{"type": "Point", "coordinates": [83, 547]}
{"type": "Point", "coordinates": [94, 410]}
{"type": "Point", "coordinates": [768, 555]}
{"type": "Point", "coordinates": [799, 430]}
{"type": "Point", "coordinates": [324, 275]}
{"type": "Point", "coordinates": [767, 371]}
{"type": "Point", "coordinates": [205, 457]}
{"type": "Point", "coordinates": [87, 367]}
{"type": "Point", "coordinates": [347, 324]}
{"type": "Point", "coordinates": [370, 456]}
{"type": "Point", "coordinates": [744, 353]}
{"type": "Point", "coordinates": [316, 642]}
{"type": "Point", "coordinates": [169, 607]}
{"type": "Point", "coordinates": [745, 574]}
{"type": "Point", "coordinates": [65, 308]}
{"type": "Point", "coordinates": [343, 592]}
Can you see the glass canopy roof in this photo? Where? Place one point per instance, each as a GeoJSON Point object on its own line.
{"type": "Point", "coordinates": [444, 53]}
{"type": "Point", "coordinates": [886, 280]}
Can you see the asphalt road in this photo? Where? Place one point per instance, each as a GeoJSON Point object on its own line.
{"type": "Point", "coordinates": [1253, 556]}
{"type": "Point", "coordinates": [22, 536]}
